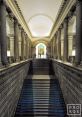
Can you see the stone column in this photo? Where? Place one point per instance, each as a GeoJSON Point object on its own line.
{"type": "Point", "coordinates": [59, 44]}
{"type": "Point", "coordinates": [3, 37]}
{"type": "Point", "coordinates": [51, 49]}
{"type": "Point", "coordinates": [65, 51]}
{"type": "Point", "coordinates": [29, 49]}
{"type": "Point", "coordinates": [11, 24]}
{"type": "Point", "coordinates": [20, 40]}
{"type": "Point", "coordinates": [56, 46]}
{"type": "Point", "coordinates": [22, 46]}
{"type": "Point", "coordinates": [16, 40]}
{"type": "Point", "coordinates": [78, 40]}
{"type": "Point", "coordinates": [26, 47]}
{"type": "Point", "coordinates": [12, 47]}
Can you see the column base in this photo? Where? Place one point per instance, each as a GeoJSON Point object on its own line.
{"type": "Point", "coordinates": [4, 65]}
{"type": "Point", "coordinates": [17, 60]}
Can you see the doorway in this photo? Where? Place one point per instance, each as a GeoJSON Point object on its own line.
{"type": "Point", "coordinates": [41, 50]}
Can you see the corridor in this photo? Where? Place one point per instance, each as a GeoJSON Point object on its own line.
{"type": "Point", "coordinates": [41, 95]}
{"type": "Point", "coordinates": [40, 58]}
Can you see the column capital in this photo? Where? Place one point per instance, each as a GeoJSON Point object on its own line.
{"type": "Point", "coordinates": [60, 27]}
{"type": "Point", "coordinates": [66, 20]}
{"type": "Point", "coordinates": [55, 35]}
{"type": "Point", "coordinates": [20, 27]}
{"type": "Point", "coordinates": [10, 14]}
{"type": "Point", "coordinates": [15, 20]}
{"type": "Point", "coordinates": [22, 30]}
{"type": "Point", "coordinates": [71, 13]}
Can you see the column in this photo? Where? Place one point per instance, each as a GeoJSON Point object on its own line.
{"type": "Point", "coordinates": [10, 16]}
{"type": "Point", "coordinates": [26, 47]}
{"type": "Point", "coordinates": [59, 44]}
{"type": "Point", "coordinates": [56, 55]}
{"type": "Point", "coordinates": [22, 44]}
{"type": "Point", "coordinates": [51, 49]}
{"type": "Point", "coordinates": [3, 37]}
{"type": "Point", "coordinates": [20, 41]}
{"type": "Point", "coordinates": [65, 51]}
{"type": "Point", "coordinates": [55, 46]}
{"type": "Point", "coordinates": [29, 49]}
{"type": "Point", "coordinates": [12, 47]}
{"type": "Point", "coordinates": [78, 40]}
{"type": "Point", "coordinates": [16, 40]}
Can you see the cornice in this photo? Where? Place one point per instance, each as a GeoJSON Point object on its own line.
{"type": "Point", "coordinates": [16, 11]}
{"type": "Point", "coordinates": [63, 12]}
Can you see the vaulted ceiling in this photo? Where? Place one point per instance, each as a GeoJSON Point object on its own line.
{"type": "Point", "coordinates": [39, 15]}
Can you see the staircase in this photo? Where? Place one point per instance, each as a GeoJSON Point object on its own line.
{"type": "Point", "coordinates": [41, 95]}
{"type": "Point", "coordinates": [25, 103]}
{"type": "Point", "coordinates": [40, 66]}
{"type": "Point", "coordinates": [57, 106]}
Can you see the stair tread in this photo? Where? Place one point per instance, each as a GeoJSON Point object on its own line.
{"type": "Point", "coordinates": [41, 95]}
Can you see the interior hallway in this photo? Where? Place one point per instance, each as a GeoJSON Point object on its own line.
{"type": "Point", "coordinates": [41, 58]}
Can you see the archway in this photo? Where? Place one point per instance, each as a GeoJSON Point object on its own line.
{"type": "Point", "coordinates": [41, 50]}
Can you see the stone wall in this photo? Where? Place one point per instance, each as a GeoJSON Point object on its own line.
{"type": "Point", "coordinates": [11, 81]}
{"type": "Point", "coordinates": [70, 79]}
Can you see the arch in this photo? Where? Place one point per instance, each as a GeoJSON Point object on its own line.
{"type": "Point", "coordinates": [41, 50]}
{"type": "Point", "coordinates": [34, 43]}
{"type": "Point", "coordinates": [40, 25]}
{"type": "Point", "coordinates": [40, 15]}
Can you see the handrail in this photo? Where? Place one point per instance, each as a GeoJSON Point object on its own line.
{"type": "Point", "coordinates": [68, 66]}
{"type": "Point", "coordinates": [13, 66]}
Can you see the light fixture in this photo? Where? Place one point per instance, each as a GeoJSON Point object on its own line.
{"type": "Point", "coordinates": [73, 52]}
{"type": "Point", "coordinates": [8, 53]}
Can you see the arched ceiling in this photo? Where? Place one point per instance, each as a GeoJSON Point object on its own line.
{"type": "Point", "coordinates": [39, 15]}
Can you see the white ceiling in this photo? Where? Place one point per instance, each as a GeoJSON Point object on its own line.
{"type": "Point", "coordinates": [40, 15]}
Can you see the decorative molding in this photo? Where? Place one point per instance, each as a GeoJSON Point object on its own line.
{"type": "Point", "coordinates": [63, 12]}
{"type": "Point", "coordinates": [16, 11]}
